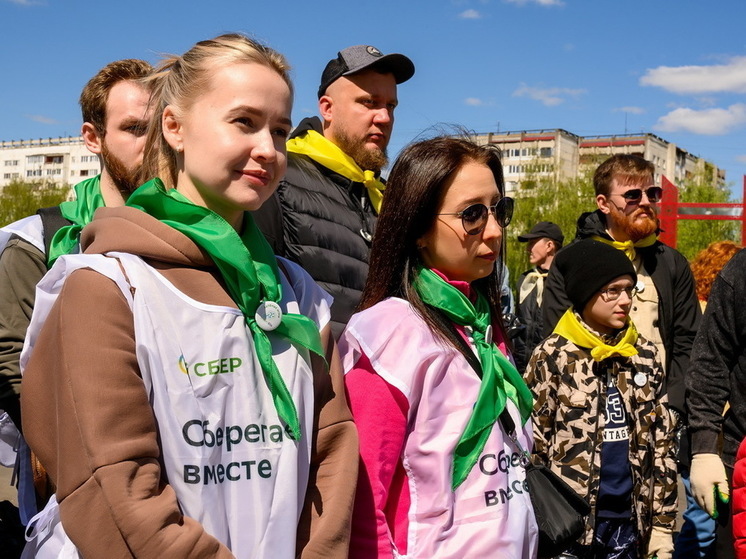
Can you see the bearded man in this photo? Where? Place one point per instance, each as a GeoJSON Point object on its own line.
{"type": "Point", "coordinates": [665, 308]}
{"type": "Point", "coordinates": [114, 104]}
{"type": "Point", "coordinates": [323, 214]}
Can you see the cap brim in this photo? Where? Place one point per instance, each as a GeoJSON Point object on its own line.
{"type": "Point", "coordinates": [398, 64]}
{"type": "Point", "coordinates": [529, 237]}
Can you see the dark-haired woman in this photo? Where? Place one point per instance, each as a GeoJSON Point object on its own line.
{"type": "Point", "coordinates": [426, 368]}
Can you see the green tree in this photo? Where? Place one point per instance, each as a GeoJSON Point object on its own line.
{"type": "Point", "coordinates": [542, 197]}
{"type": "Point", "coordinates": [545, 198]}
{"type": "Point", "coordinates": [20, 199]}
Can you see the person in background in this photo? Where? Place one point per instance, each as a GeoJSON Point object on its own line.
{"type": "Point", "coordinates": [114, 105]}
{"type": "Point", "coordinates": [707, 265]}
{"type": "Point", "coordinates": [544, 240]}
{"type": "Point", "coordinates": [203, 413]}
{"type": "Point", "coordinates": [716, 401]}
{"type": "Point", "coordinates": [665, 308]}
{"type": "Point", "coordinates": [324, 212]}
{"type": "Point", "coordinates": [427, 372]}
{"type": "Point", "coordinates": [601, 418]}
{"type": "Point", "coordinates": [698, 532]}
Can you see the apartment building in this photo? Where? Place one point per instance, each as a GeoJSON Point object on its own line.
{"type": "Point", "coordinates": [562, 155]}
{"type": "Point", "coordinates": [62, 160]}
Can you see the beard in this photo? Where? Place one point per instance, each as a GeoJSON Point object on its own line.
{"type": "Point", "coordinates": [126, 180]}
{"type": "Point", "coordinates": [636, 228]}
{"type": "Point", "coordinates": [368, 159]}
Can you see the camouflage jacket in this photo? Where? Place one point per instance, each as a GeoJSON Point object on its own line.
{"type": "Point", "coordinates": [569, 389]}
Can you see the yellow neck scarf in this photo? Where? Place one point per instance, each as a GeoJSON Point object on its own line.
{"type": "Point", "coordinates": [533, 280]}
{"type": "Point", "coordinates": [328, 154]}
{"type": "Point", "coordinates": [571, 328]}
{"type": "Point", "coordinates": [628, 247]}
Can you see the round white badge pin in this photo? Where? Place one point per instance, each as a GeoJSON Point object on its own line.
{"type": "Point", "coordinates": [640, 379]}
{"type": "Point", "coordinates": [268, 315]}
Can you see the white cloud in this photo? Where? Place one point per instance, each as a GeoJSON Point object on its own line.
{"type": "Point", "coordinates": [42, 119]}
{"type": "Point", "coordinates": [470, 14]}
{"type": "Point", "coordinates": [711, 122]}
{"type": "Point", "coordinates": [631, 110]}
{"type": "Point", "coordinates": [718, 78]}
{"type": "Point", "coordinates": [474, 102]}
{"type": "Point", "coordinates": [539, 2]}
{"type": "Point", "coordinates": [26, 2]}
{"type": "Point", "coordinates": [549, 96]}
{"type": "Point", "coordinates": [741, 158]}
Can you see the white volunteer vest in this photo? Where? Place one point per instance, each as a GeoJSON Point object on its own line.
{"type": "Point", "coordinates": [225, 451]}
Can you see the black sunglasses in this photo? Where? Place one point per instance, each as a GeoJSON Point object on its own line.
{"type": "Point", "coordinates": [474, 218]}
{"type": "Point", "coordinates": [654, 194]}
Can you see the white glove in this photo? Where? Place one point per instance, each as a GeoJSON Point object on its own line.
{"type": "Point", "coordinates": [661, 543]}
{"type": "Point", "coordinates": [708, 479]}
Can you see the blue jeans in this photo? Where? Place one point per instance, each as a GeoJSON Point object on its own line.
{"type": "Point", "coordinates": [697, 536]}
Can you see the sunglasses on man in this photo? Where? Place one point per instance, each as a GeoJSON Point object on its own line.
{"type": "Point", "coordinates": [474, 218]}
{"type": "Point", "coordinates": [634, 195]}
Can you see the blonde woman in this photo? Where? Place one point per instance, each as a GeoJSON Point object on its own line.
{"type": "Point", "coordinates": [178, 389]}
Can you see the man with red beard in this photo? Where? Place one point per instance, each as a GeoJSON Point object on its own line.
{"type": "Point", "coordinates": [664, 309]}
{"type": "Point", "coordinates": [114, 104]}
{"type": "Point", "coordinates": [323, 214]}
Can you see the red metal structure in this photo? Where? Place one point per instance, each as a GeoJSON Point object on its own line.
{"type": "Point", "coordinates": [671, 211]}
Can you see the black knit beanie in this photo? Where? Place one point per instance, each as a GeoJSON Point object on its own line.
{"type": "Point", "coordinates": [587, 266]}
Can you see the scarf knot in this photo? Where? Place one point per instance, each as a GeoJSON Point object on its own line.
{"type": "Point", "coordinates": [628, 247]}
{"type": "Point", "coordinates": [571, 328]}
{"type": "Point", "coordinates": [80, 211]}
{"type": "Point", "coordinates": [500, 379]}
{"type": "Point", "coordinates": [533, 280]}
{"type": "Point", "coordinates": [328, 154]}
{"type": "Point", "coordinates": [250, 272]}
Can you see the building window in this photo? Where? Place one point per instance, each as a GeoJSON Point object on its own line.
{"type": "Point", "coordinates": [34, 159]}
{"type": "Point", "coordinates": [53, 159]}
{"type": "Point", "coordinates": [84, 173]}
{"type": "Point", "coordinates": [89, 158]}
{"type": "Point", "coordinates": [52, 172]}
{"type": "Point", "coordinates": [11, 163]}
{"type": "Point", "coordinates": [546, 152]}
{"type": "Point", "coordinates": [33, 173]}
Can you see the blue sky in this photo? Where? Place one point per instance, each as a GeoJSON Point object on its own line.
{"type": "Point", "coordinates": [676, 68]}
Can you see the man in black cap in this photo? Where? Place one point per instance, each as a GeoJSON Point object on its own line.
{"type": "Point", "coordinates": [324, 211]}
{"type": "Point", "coordinates": [544, 240]}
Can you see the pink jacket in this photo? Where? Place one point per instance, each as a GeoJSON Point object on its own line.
{"type": "Point", "coordinates": [411, 397]}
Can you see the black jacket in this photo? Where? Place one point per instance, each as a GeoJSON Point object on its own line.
{"type": "Point", "coordinates": [324, 222]}
{"type": "Point", "coordinates": [678, 314]}
{"type": "Point", "coordinates": [717, 370]}
{"type": "Point", "coordinates": [529, 314]}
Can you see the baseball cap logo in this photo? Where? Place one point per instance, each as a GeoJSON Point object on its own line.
{"type": "Point", "coordinates": [373, 51]}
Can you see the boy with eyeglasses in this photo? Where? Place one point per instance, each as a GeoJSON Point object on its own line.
{"type": "Point", "coordinates": [665, 309]}
{"type": "Point", "coordinates": [601, 418]}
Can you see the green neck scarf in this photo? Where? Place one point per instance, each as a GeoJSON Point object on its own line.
{"type": "Point", "coordinates": [500, 379]}
{"type": "Point", "coordinates": [249, 269]}
{"type": "Point", "coordinates": [80, 211]}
